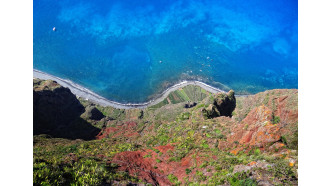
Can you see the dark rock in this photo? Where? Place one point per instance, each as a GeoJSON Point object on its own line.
{"type": "Point", "coordinates": [141, 114]}
{"type": "Point", "coordinates": [92, 113]}
{"type": "Point", "coordinates": [210, 112]}
{"type": "Point", "coordinates": [56, 111]}
{"type": "Point", "coordinates": [190, 104]}
{"type": "Point", "coordinates": [225, 103]}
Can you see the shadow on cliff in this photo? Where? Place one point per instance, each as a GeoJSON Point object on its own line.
{"type": "Point", "coordinates": [56, 112]}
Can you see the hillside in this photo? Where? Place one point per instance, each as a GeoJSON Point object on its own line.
{"type": "Point", "coordinates": [192, 137]}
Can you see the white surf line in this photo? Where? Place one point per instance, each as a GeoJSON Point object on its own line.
{"type": "Point", "coordinates": [87, 94]}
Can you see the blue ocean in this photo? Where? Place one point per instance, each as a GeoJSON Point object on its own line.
{"type": "Point", "coordinates": [130, 50]}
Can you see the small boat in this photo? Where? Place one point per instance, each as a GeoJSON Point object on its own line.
{"type": "Point", "coordinates": [54, 29]}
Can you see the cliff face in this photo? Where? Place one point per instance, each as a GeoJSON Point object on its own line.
{"type": "Point", "coordinates": [268, 120]}
{"type": "Point", "coordinates": [265, 123]}
{"type": "Point", "coordinates": [277, 109]}
{"type": "Point", "coordinates": [222, 139]}
{"type": "Point", "coordinates": [56, 111]}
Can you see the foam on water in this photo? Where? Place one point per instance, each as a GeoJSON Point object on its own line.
{"type": "Point", "coordinates": [128, 51]}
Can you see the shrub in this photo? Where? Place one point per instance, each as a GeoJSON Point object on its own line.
{"type": "Point", "coordinates": [283, 139]}
{"type": "Point", "coordinates": [241, 178]}
{"type": "Point", "coordinates": [188, 171]}
{"type": "Point", "coordinates": [184, 116]}
{"type": "Point", "coordinates": [204, 164]}
{"type": "Point", "coordinates": [147, 156]}
{"type": "Point", "coordinates": [257, 152]}
{"type": "Point", "coordinates": [283, 172]}
{"type": "Point", "coordinates": [275, 119]}
{"type": "Point", "coordinates": [200, 176]}
{"type": "Point", "coordinates": [173, 179]}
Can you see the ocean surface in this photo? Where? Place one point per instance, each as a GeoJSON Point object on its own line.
{"type": "Point", "coordinates": [130, 50]}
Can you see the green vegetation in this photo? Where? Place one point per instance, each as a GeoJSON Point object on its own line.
{"type": "Point", "coordinates": [241, 178]}
{"type": "Point", "coordinates": [173, 179]}
{"type": "Point", "coordinates": [160, 104]}
{"type": "Point", "coordinates": [65, 162]}
{"type": "Point", "coordinates": [183, 116]}
{"type": "Point", "coordinates": [266, 100]}
{"type": "Point", "coordinates": [168, 142]}
{"type": "Point", "coordinates": [257, 152]}
{"type": "Point", "coordinates": [187, 93]}
{"type": "Point", "coordinates": [275, 119]}
{"type": "Point", "coordinates": [283, 172]}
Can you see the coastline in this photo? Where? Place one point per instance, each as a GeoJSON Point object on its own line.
{"type": "Point", "coordinates": [87, 94]}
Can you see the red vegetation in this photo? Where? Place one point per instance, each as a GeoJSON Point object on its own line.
{"type": "Point", "coordinates": [127, 129]}
{"type": "Point", "coordinates": [256, 130]}
{"type": "Point", "coordinates": [154, 167]}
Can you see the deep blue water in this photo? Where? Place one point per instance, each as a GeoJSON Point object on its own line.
{"type": "Point", "coordinates": [128, 50]}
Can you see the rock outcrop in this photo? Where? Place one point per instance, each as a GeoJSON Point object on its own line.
{"type": "Point", "coordinates": [258, 128]}
{"type": "Point", "coordinates": [190, 104]}
{"type": "Point", "coordinates": [56, 111]}
{"type": "Point", "coordinates": [92, 113]}
{"type": "Point", "coordinates": [210, 112]}
{"type": "Point", "coordinates": [223, 105]}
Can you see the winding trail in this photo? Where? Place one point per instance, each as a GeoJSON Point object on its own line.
{"type": "Point", "coordinates": [83, 92]}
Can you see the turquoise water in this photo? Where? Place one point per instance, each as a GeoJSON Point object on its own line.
{"type": "Point", "coordinates": [128, 51]}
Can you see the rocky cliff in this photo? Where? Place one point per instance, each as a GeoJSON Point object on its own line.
{"type": "Point", "coordinates": [56, 111]}
{"type": "Point", "coordinates": [219, 140]}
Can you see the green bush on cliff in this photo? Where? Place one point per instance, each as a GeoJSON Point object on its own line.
{"type": "Point", "coordinates": [173, 179]}
{"type": "Point", "coordinates": [241, 178]}
{"type": "Point", "coordinates": [283, 171]}
{"type": "Point", "coordinates": [275, 119]}
{"type": "Point", "coordinates": [183, 116]}
{"type": "Point", "coordinates": [188, 171]}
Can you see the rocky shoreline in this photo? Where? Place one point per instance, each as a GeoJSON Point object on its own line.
{"type": "Point", "coordinates": [83, 92]}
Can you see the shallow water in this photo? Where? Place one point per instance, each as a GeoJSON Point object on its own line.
{"type": "Point", "coordinates": [127, 51]}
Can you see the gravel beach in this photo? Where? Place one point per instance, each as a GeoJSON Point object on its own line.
{"type": "Point", "coordinates": [82, 92]}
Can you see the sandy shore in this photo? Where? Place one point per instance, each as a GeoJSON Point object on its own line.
{"type": "Point", "coordinates": [82, 92]}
